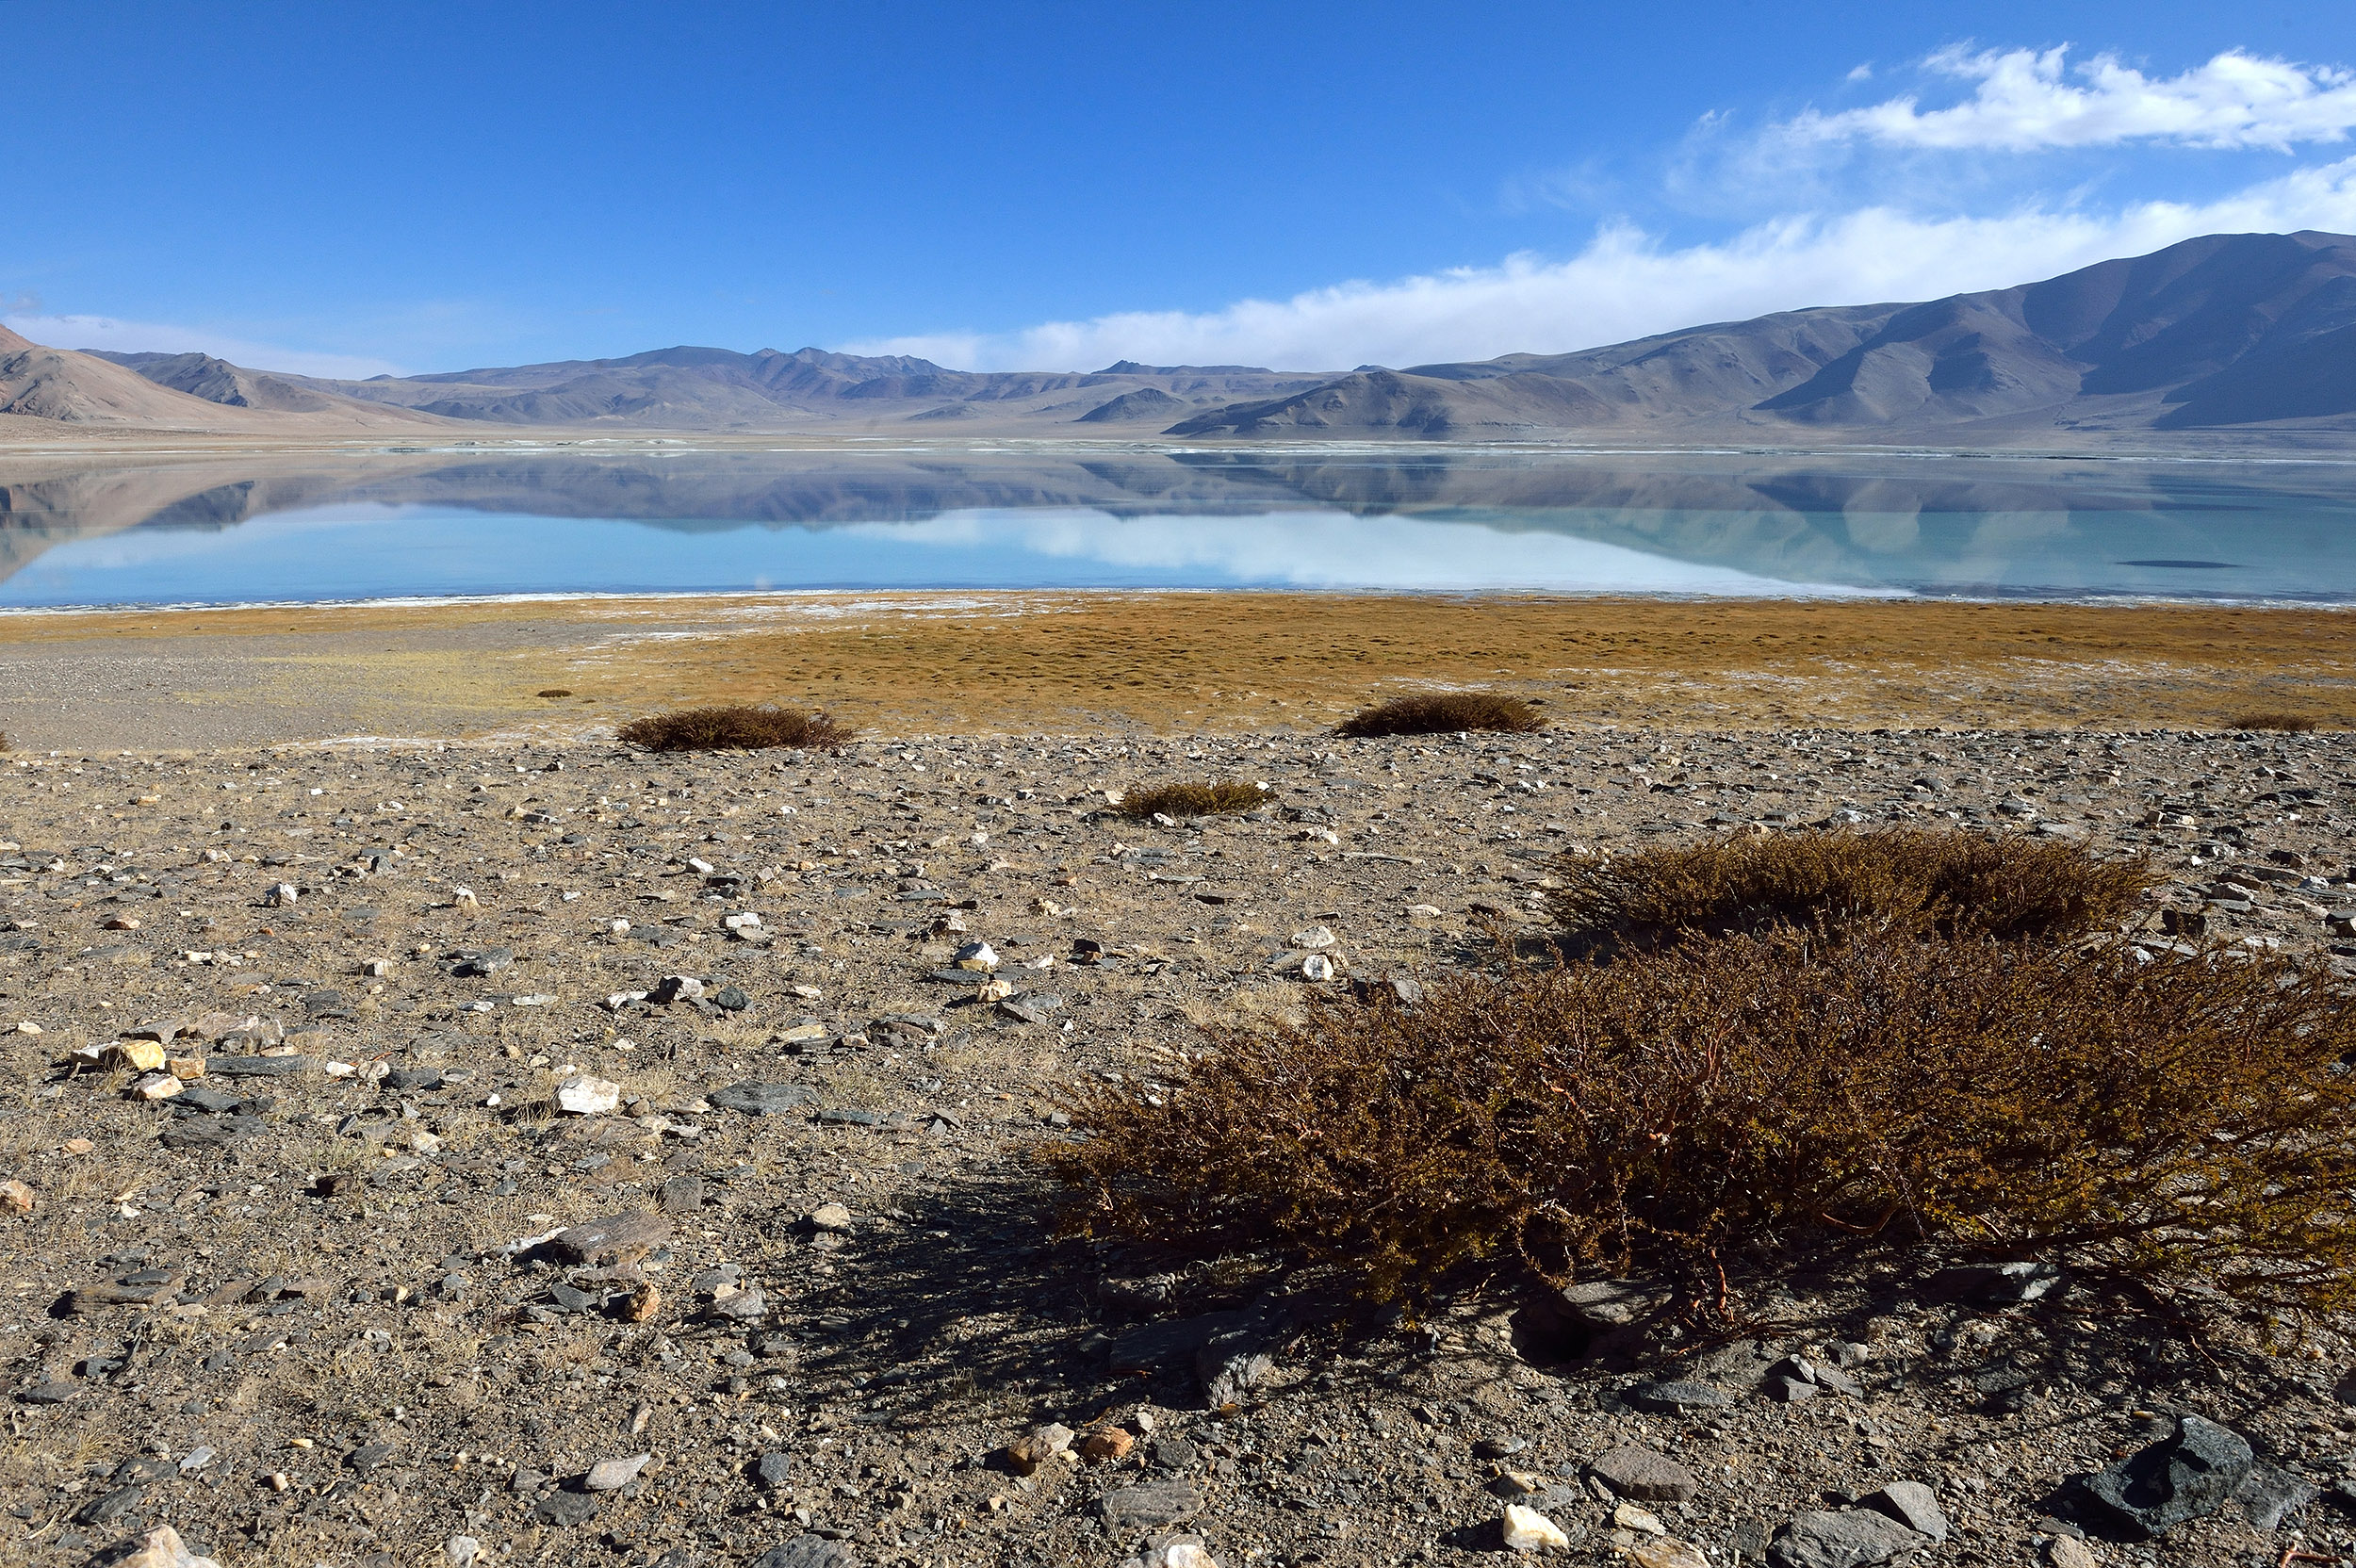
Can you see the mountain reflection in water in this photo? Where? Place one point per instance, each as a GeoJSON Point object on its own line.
{"type": "Point", "coordinates": [76, 531]}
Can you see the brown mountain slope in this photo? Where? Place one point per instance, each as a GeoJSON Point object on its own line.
{"type": "Point", "coordinates": [94, 390]}
{"type": "Point", "coordinates": [2223, 333]}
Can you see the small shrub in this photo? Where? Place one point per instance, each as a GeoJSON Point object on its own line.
{"type": "Point", "coordinates": [1940, 882]}
{"type": "Point", "coordinates": [2288, 724]}
{"type": "Point", "coordinates": [1444, 713]}
{"type": "Point", "coordinates": [733, 727]}
{"type": "Point", "coordinates": [1193, 800]}
{"type": "Point", "coordinates": [554, 691]}
{"type": "Point", "coordinates": [1740, 1103]}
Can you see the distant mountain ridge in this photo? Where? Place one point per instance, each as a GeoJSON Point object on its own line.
{"type": "Point", "coordinates": [2240, 337]}
{"type": "Point", "coordinates": [2224, 331]}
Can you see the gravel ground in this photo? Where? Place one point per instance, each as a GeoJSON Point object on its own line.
{"type": "Point", "coordinates": [359, 1294]}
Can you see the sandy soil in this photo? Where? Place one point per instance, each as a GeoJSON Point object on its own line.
{"type": "Point", "coordinates": [1134, 664]}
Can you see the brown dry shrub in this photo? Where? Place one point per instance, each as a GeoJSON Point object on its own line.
{"type": "Point", "coordinates": [2288, 724]}
{"type": "Point", "coordinates": [1932, 881]}
{"type": "Point", "coordinates": [1726, 1103]}
{"type": "Point", "coordinates": [554, 691]}
{"type": "Point", "coordinates": [1193, 800]}
{"type": "Point", "coordinates": [1444, 713]}
{"type": "Point", "coordinates": [733, 727]}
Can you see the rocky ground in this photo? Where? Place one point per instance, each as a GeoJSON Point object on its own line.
{"type": "Point", "coordinates": [562, 1154]}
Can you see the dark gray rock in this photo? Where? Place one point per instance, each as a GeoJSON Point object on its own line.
{"type": "Point", "coordinates": [1997, 1285]}
{"type": "Point", "coordinates": [488, 961]}
{"type": "Point", "coordinates": [762, 1099]}
{"type": "Point", "coordinates": [774, 1470]}
{"type": "Point", "coordinates": [808, 1551]}
{"type": "Point", "coordinates": [1644, 1476]}
{"type": "Point", "coordinates": [683, 1195]}
{"type": "Point", "coordinates": [1681, 1396]}
{"type": "Point", "coordinates": [2270, 1494]}
{"type": "Point", "coordinates": [113, 1508]}
{"type": "Point", "coordinates": [405, 1078]}
{"type": "Point", "coordinates": [1851, 1538]}
{"type": "Point", "coordinates": [1913, 1505]}
{"type": "Point", "coordinates": [1149, 1506]}
{"type": "Point", "coordinates": [565, 1509]}
{"type": "Point", "coordinates": [2187, 1475]}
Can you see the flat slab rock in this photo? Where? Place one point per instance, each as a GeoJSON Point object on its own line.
{"type": "Point", "coordinates": [1644, 1476]}
{"type": "Point", "coordinates": [612, 1236]}
{"type": "Point", "coordinates": [1148, 1505]}
{"type": "Point", "coordinates": [2187, 1475]}
{"type": "Point", "coordinates": [809, 1551]}
{"type": "Point", "coordinates": [762, 1100]}
{"type": "Point", "coordinates": [1849, 1538]}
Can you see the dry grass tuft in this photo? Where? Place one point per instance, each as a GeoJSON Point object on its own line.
{"type": "Point", "coordinates": [1732, 1102]}
{"type": "Point", "coordinates": [554, 691]}
{"type": "Point", "coordinates": [1926, 881]}
{"type": "Point", "coordinates": [2288, 724]}
{"type": "Point", "coordinates": [1193, 800]}
{"type": "Point", "coordinates": [734, 726]}
{"type": "Point", "coordinates": [1444, 713]}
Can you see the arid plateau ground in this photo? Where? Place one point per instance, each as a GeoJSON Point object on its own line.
{"type": "Point", "coordinates": [520, 1200]}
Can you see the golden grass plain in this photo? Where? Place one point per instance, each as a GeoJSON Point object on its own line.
{"type": "Point", "coordinates": [1161, 663]}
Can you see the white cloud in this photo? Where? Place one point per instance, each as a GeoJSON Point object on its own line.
{"type": "Point", "coordinates": [2025, 100]}
{"type": "Point", "coordinates": [1627, 286]}
{"type": "Point", "coordinates": [120, 337]}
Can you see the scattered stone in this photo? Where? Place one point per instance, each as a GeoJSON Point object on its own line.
{"type": "Point", "coordinates": [1528, 1531]}
{"type": "Point", "coordinates": [1680, 1396]}
{"type": "Point", "coordinates": [1644, 1476]}
{"type": "Point", "coordinates": [1851, 1538]}
{"type": "Point", "coordinates": [613, 1237]}
{"type": "Point", "coordinates": [563, 1510]}
{"type": "Point", "coordinates": [762, 1099]}
{"type": "Point", "coordinates": [1913, 1505]}
{"type": "Point", "coordinates": [585, 1094]}
{"type": "Point", "coordinates": [15, 1198]}
{"type": "Point", "coordinates": [160, 1547]}
{"type": "Point", "coordinates": [2270, 1494]}
{"type": "Point", "coordinates": [2187, 1475]}
{"type": "Point", "coordinates": [830, 1217]}
{"type": "Point", "coordinates": [774, 1471]}
{"type": "Point", "coordinates": [1148, 1505]}
{"type": "Point", "coordinates": [490, 960]}
{"type": "Point", "coordinates": [1313, 939]}
{"type": "Point", "coordinates": [1627, 1516]}
{"type": "Point", "coordinates": [1107, 1444]}
{"type": "Point", "coordinates": [1026, 1453]}
{"type": "Point", "coordinates": [2068, 1551]}
{"type": "Point", "coordinates": [611, 1475]}
{"type": "Point", "coordinates": [677, 987]}
{"type": "Point", "coordinates": [808, 1551]}
{"type": "Point", "coordinates": [1667, 1551]}
{"type": "Point", "coordinates": [976, 956]}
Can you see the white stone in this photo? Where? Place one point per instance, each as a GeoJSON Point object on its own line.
{"type": "Point", "coordinates": [1627, 1516]}
{"type": "Point", "coordinates": [611, 1475]}
{"type": "Point", "coordinates": [1313, 939]}
{"type": "Point", "coordinates": [281, 896]}
{"type": "Point", "coordinates": [977, 955]}
{"type": "Point", "coordinates": [830, 1217]}
{"type": "Point", "coordinates": [1316, 967]}
{"type": "Point", "coordinates": [1529, 1530]}
{"type": "Point", "coordinates": [586, 1094]}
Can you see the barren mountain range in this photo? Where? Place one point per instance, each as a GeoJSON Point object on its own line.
{"type": "Point", "coordinates": [2224, 339]}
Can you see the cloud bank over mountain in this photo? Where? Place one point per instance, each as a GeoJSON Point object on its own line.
{"type": "Point", "coordinates": [1628, 284]}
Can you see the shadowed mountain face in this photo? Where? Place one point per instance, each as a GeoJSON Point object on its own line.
{"type": "Point", "coordinates": [2229, 331]}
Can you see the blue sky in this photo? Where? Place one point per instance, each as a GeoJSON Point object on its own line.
{"type": "Point", "coordinates": [420, 187]}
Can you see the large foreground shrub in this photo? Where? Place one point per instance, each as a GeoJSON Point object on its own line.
{"type": "Point", "coordinates": [1946, 883]}
{"type": "Point", "coordinates": [1720, 1103]}
{"type": "Point", "coordinates": [1444, 713]}
{"type": "Point", "coordinates": [733, 727]}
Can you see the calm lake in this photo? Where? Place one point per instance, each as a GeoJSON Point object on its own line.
{"type": "Point", "coordinates": [403, 524]}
